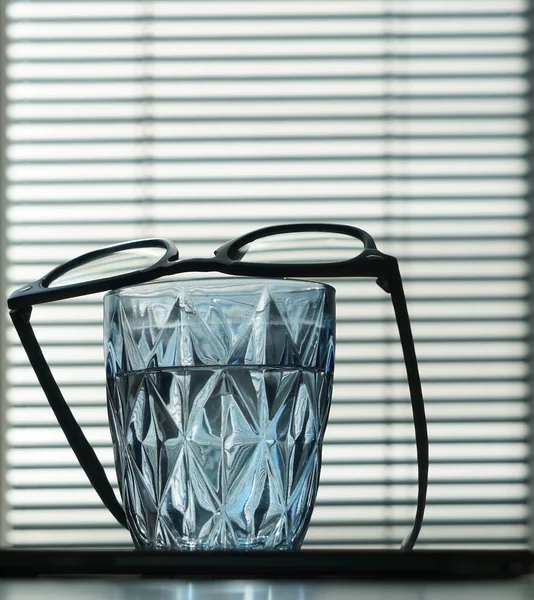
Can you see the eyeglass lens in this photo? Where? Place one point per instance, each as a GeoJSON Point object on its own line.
{"type": "Point", "coordinates": [306, 247]}
{"type": "Point", "coordinates": [109, 265]}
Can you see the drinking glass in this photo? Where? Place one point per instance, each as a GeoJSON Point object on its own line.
{"type": "Point", "coordinates": [218, 393]}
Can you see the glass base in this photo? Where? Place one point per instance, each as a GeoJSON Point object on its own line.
{"type": "Point", "coordinates": [202, 546]}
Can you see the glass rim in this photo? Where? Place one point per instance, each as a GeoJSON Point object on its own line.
{"type": "Point", "coordinates": [243, 278]}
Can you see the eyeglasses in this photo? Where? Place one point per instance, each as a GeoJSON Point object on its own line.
{"type": "Point", "coordinates": [296, 250]}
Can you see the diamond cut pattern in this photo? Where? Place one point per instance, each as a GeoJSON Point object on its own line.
{"type": "Point", "coordinates": [218, 393]}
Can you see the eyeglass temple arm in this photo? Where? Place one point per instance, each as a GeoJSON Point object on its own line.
{"type": "Point", "coordinates": [393, 285]}
{"type": "Point", "coordinates": [82, 448]}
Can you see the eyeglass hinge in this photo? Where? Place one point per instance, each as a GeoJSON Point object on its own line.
{"type": "Point", "coordinates": [383, 283]}
{"type": "Point", "coordinates": [23, 314]}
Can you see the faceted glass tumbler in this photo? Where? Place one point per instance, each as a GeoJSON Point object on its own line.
{"type": "Point", "coordinates": [218, 393]}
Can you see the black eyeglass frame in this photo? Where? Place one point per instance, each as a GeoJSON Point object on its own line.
{"type": "Point", "coordinates": [228, 259]}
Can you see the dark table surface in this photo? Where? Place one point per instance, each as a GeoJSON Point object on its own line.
{"type": "Point", "coordinates": [146, 589]}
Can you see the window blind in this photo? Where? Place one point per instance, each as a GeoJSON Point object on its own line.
{"type": "Point", "coordinates": [199, 121]}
